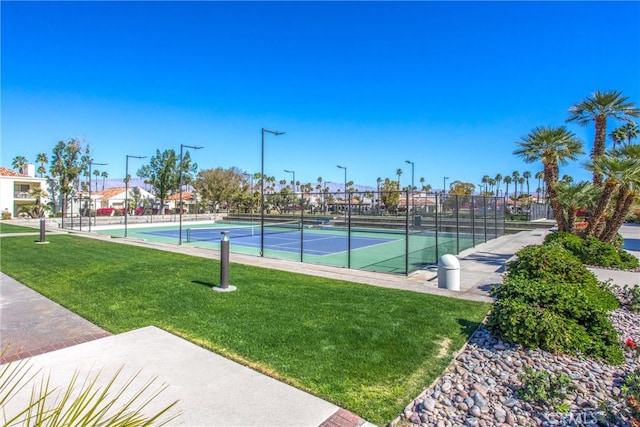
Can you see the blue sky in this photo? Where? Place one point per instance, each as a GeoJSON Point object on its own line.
{"type": "Point", "coordinates": [448, 85]}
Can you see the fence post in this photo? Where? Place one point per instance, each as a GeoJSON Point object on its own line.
{"type": "Point", "coordinates": [457, 224]}
{"type": "Point", "coordinates": [406, 235]}
{"type": "Point", "coordinates": [437, 225]}
{"type": "Point", "coordinates": [472, 211]}
{"type": "Point", "coordinates": [348, 230]}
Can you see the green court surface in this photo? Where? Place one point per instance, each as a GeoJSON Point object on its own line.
{"type": "Point", "coordinates": [370, 249]}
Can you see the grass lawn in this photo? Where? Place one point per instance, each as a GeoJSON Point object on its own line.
{"type": "Point", "coordinates": [370, 350]}
{"type": "Point", "coordinates": [11, 228]}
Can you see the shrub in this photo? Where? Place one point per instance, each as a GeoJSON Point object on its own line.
{"type": "Point", "coordinates": [546, 388]}
{"type": "Point", "coordinates": [631, 392]}
{"type": "Point", "coordinates": [592, 251]}
{"type": "Point", "coordinates": [549, 300]}
{"type": "Point", "coordinates": [6, 215]}
{"type": "Point", "coordinates": [104, 211]}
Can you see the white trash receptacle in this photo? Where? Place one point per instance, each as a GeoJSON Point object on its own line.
{"type": "Point", "coordinates": [449, 272]}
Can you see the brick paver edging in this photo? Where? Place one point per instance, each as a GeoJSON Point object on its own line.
{"type": "Point", "coordinates": [52, 347]}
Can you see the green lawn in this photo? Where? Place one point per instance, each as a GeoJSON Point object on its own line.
{"type": "Point", "coordinates": [370, 350]}
{"type": "Point", "coordinates": [11, 228]}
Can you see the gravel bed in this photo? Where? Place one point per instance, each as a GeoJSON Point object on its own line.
{"type": "Point", "coordinates": [480, 386]}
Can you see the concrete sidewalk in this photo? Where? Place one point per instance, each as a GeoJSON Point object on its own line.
{"type": "Point", "coordinates": [212, 390]}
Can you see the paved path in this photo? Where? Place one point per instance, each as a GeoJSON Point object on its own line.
{"type": "Point", "coordinates": [211, 389]}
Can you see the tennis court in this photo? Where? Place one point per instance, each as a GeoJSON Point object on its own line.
{"type": "Point", "coordinates": [286, 237]}
{"type": "Point", "coordinates": [358, 237]}
{"type": "Point", "coordinates": [379, 249]}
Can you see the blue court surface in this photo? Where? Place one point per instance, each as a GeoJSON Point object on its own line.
{"type": "Point", "coordinates": [315, 242]}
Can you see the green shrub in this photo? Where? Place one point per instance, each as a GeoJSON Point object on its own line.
{"type": "Point", "coordinates": [549, 300]}
{"type": "Point", "coordinates": [554, 264]}
{"type": "Point", "coordinates": [630, 390]}
{"type": "Point", "coordinates": [569, 241]}
{"type": "Point", "coordinates": [592, 251]}
{"type": "Point", "coordinates": [618, 241]}
{"type": "Point", "coordinates": [546, 388]}
{"type": "Point", "coordinates": [6, 215]}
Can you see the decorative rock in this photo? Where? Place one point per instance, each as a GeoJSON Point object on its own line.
{"type": "Point", "coordinates": [480, 387]}
{"type": "Point", "coordinates": [429, 404]}
{"type": "Point", "coordinates": [475, 411]}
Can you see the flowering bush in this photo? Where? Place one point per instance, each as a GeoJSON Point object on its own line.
{"type": "Point", "coordinates": [631, 391]}
{"type": "Point", "coordinates": [104, 211]}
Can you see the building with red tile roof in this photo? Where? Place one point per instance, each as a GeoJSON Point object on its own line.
{"type": "Point", "coordinates": [16, 187]}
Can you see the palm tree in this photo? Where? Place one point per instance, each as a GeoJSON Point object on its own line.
{"type": "Point", "coordinates": [618, 135]}
{"type": "Point", "coordinates": [399, 173]}
{"type": "Point", "coordinates": [19, 162]}
{"type": "Point", "coordinates": [567, 179]}
{"type": "Point", "coordinates": [104, 176]}
{"type": "Point", "coordinates": [598, 108]}
{"type": "Point", "coordinates": [574, 197]}
{"type": "Point", "coordinates": [96, 173]}
{"type": "Point", "coordinates": [616, 170]}
{"type": "Point", "coordinates": [624, 133]}
{"type": "Point", "coordinates": [628, 192]}
{"type": "Point", "coordinates": [632, 131]}
{"type": "Point", "coordinates": [42, 159]}
{"type": "Point", "coordinates": [498, 179]}
{"type": "Point", "coordinates": [553, 146]}
{"type": "Point", "coordinates": [539, 175]}
{"type": "Point", "coordinates": [516, 179]}
{"type": "Point", "coordinates": [422, 183]}
{"type": "Point", "coordinates": [485, 181]}
{"type": "Point", "coordinates": [526, 175]}
{"type": "Point", "coordinates": [507, 181]}
{"type": "Point", "coordinates": [521, 181]}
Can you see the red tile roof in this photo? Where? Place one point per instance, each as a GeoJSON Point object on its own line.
{"type": "Point", "coordinates": [9, 172]}
{"type": "Point", "coordinates": [108, 193]}
{"type": "Point", "coordinates": [186, 195]}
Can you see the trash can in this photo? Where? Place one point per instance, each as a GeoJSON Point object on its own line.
{"type": "Point", "coordinates": [449, 272]}
{"type": "Point", "coordinates": [417, 220]}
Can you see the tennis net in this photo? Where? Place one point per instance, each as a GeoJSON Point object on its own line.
{"type": "Point", "coordinates": [236, 231]}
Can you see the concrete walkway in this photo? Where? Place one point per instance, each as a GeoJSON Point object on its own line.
{"type": "Point", "coordinates": [212, 390]}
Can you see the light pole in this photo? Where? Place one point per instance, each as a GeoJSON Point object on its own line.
{"type": "Point", "coordinates": [412, 183]}
{"type": "Point", "coordinates": [444, 184]}
{"type": "Point", "coordinates": [182, 146]}
{"type": "Point", "coordinates": [91, 163]}
{"type": "Point", "coordinates": [126, 190]}
{"type": "Point", "coordinates": [250, 176]}
{"type": "Point", "coordinates": [276, 133]}
{"type": "Point", "coordinates": [345, 187]}
{"type": "Point", "coordinates": [294, 180]}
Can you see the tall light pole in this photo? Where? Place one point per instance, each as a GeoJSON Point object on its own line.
{"type": "Point", "coordinates": [126, 190]}
{"type": "Point", "coordinates": [182, 146]}
{"type": "Point", "coordinates": [250, 176]}
{"type": "Point", "coordinates": [444, 184]}
{"type": "Point", "coordinates": [276, 133]}
{"type": "Point", "coordinates": [91, 163]}
{"type": "Point", "coordinates": [294, 179]}
{"type": "Point", "coordinates": [345, 188]}
{"type": "Point", "coordinates": [412, 166]}
{"type": "Point", "coordinates": [412, 182]}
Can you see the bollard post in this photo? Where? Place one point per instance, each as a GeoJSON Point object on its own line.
{"type": "Point", "coordinates": [224, 260]}
{"type": "Point", "coordinates": [224, 265]}
{"type": "Point", "coordinates": [42, 240]}
{"type": "Point", "coordinates": [42, 230]}
{"type": "Point", "coordinates": [449, 272]}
